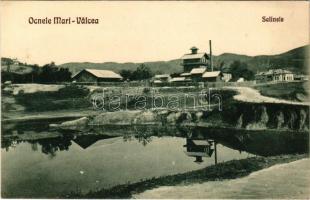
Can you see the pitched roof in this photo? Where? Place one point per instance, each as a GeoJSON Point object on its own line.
{"type": "Point", "coordinates": [199, 70]}
{"type": "Point", "coordinates": [162, 76]}
{"type": "Point", "coordinates": [282, 71]}
{"type": "Point", "coordinates": [274, 71]}
{"type": "Point", "coordinates": [102, 73]}
{"type": "Point", "coordinates": [211, 74]}
{"type": "Point", "coordinates": [185, 74]}
{"type": "Point", "coordinates": [193, 56]}
{"type": "Point", "coordinates": [176, 79]}
{"type": "Point", "coordinates": [201, 142]}
{"type": "Point", "coordinates": [194, 48]}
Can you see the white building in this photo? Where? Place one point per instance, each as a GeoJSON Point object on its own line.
{"type": "Point", "coordinates": [275, 75]}
{"type": "Point", "coordinates": [226, 77]}
{"type": "Point", "coordinates": [162, 78]}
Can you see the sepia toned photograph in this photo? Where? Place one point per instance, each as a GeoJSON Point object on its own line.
{"type": "Point", "coordinates": [155, 100]}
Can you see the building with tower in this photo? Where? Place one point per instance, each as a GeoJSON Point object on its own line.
{"type": "Point", "coordinates": [194, 60]}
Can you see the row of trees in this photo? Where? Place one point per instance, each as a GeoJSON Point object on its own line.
{"type": "Point", "coordinates": [141, 73]}
{"type": "Point", "coordinates": [50, 73]}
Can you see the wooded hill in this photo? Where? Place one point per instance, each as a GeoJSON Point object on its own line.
{"type": "Point", "coordinates": [294, 60]}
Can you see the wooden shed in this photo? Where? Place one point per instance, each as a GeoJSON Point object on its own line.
{"type": "Point", "coordinates": [95, 75]}
{"type": "Point", "coordinates": [214, 76]}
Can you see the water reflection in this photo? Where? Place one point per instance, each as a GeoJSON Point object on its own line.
{"type": "Point", "coordinates": [200, 142]}
{"type": "Point", "coordinates": [194, 147]}
{"type": "Point", "coordinates": [52, 161]}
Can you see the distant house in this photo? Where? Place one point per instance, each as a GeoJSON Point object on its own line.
{"type": "Point", "coordinates": [301, 77]}
{"type": "Point", "coordinates": [264, 76]}
{"type": "Point", "coordinates": [283, 75]}
{"type": "Point", "coordinates": [179, 79]}
{"type": "Point", "coordinates": [95, 75]}
{"type": "Point", "coordinates": [226, 72]}
{"type": "Point", "coordinates": [241, 79]}
{"type": "Point", "coordinates": [162, 78]}
{"type": "Point", "coordinates": [214, 76]}
{"type": "Point", "coordinates": [274, 75]}
{"type": "Point", "coordinates": [186, 75]}
{"type": "Point", "coordinates": [194, 60]}
{"type": "Point", "coordinates": [226, 76]}
{"type": "Point", "coordinates": [15, 61]}
{"type": "Point", "coordinates": [196, 73]}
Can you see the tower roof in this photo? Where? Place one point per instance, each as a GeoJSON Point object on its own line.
{"type": "Point", "coordinates": [194, 48]}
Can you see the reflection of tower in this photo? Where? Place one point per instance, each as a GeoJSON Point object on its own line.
{"type": "Point", "coordinates": [199, 148]}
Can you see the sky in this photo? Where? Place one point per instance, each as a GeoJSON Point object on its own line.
{"type": "Point", "coordinates": [149, 31]}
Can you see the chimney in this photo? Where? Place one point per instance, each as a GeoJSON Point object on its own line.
{"type": "Point", "coordinates": [194, 50]}
{"type": "Point", "coordinates": [211, 61]}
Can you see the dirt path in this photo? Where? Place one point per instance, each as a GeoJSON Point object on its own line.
{"type": "Point", "coordinates": [280, 181]}
{"type": "Point", "coordinates": [252, 95]}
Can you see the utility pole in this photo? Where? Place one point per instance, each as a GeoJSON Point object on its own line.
{"type": "Point", "coordinates": [215, 153]}
{"type": "Point", "coordinates": [211, 60]}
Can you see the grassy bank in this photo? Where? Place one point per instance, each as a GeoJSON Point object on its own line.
{"type": "Point", "coordinates": [295, 91]}
{"type": "Point", "coordinates": [227, 170]}
{"type": "Point", "coordinates": [69, 97]}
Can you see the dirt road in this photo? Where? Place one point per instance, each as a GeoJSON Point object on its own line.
{"type": "Point", "coordinates": [247, 94]}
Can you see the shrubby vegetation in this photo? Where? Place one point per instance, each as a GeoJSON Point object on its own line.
{"type": "Point", "coordinates": [141, 73]}
{"type": "Point", "coordinates": [24, 73]}
{"type": "Point", "coordinates": [290, 91]}
{"type": "Point", "coordinates": [69, 97]}
{"type": "Point", "coordinates": [240, 70]}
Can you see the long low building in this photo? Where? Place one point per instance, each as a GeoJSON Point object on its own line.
{"type": "Point", "coordinates": [96, 75]}
{"type": "Point", "coordinates": [274, 75]}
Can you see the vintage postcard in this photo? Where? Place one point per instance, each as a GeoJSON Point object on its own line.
{"type": "Point", "coordinates": [155, 100]}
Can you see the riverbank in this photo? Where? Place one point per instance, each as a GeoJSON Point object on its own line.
{"type": "Point", "coordinates": [227, 170]}
{"type": "Point", "coordinates": [281, 181]}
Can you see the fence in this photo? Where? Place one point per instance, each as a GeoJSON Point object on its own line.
{"type": "Point", "coordinates": [168, 84]}
{"type": "Point", "coordinates": [116, 84]}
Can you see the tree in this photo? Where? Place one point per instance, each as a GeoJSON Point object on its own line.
{"type": "Point", "coordinates": [50, 73]}
{"type": "Point", "coordinates": [142, 73]}
{"type": "Point", "coordinates": [240, 69]}
{"type": "Point", "coordinates": [126, 74]}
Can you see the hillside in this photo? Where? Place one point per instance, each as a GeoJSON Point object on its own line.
{"type": "Point", "coordinates": [293, 60]}
{"type": "Point", "coordinates": [157, 67]}
{"type": "Point", "coordinates": [15, 67]}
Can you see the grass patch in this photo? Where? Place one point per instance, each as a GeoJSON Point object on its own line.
{"type": "Point", "coordinates": [296, 91]}
{"type": "Point", "coordinates": [69, 97]}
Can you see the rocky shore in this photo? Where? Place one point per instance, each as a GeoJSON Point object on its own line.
{"type": "Point", "coordinates": [247, 116]}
